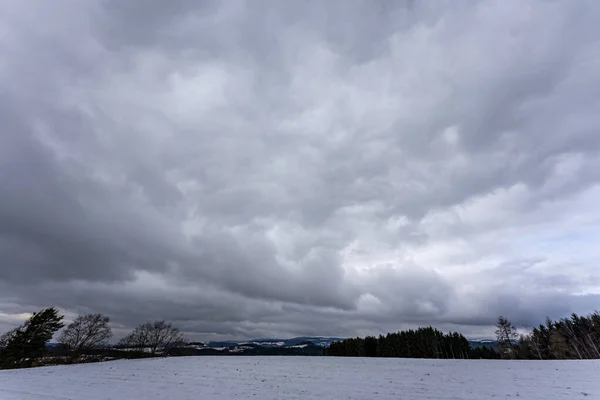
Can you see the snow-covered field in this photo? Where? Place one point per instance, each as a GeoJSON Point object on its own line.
{"type": "Point", "coordinates": [305, 378]}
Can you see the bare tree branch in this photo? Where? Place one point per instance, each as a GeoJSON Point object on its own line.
{"type": "Point", "coordinates": [86, 332]}
{"type": "Point", "coordinates": [153, 337]}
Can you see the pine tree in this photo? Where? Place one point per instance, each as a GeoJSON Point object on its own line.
{"type": "Point", "coordinates": [421, 343]}
{"type": "Point", "coordinates": [371, 346]}
{"type": "Point", "coordinates": [28, 342]}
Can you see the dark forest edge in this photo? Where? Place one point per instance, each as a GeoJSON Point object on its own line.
{"type": "Point", "coordinates": [420, 343]}
{"type": "Point", "coordinates": [574, 338]}
{"type": "Point", "coordinates": [86, 339]}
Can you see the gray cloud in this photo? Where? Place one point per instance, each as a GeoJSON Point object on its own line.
{"type": "Point", "coordinates": [264, 168]}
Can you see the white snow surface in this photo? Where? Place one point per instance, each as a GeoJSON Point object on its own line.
{"type": "Point", "coordinates": [267, 378]}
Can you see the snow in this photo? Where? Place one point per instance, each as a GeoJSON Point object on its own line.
{"type": "Point", "coordinates": [239, 349]}
{"type": "Point", "coordinates": [270, 344]}
{"type": "Point", "coordinates": [267, 378]}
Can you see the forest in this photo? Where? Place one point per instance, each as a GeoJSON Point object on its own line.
{"type": "Point", "coordinates": [425, 342]}
{"type": "Point", "coordinates": [573, 338]}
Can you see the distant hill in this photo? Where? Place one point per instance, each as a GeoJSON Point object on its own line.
{"type": "Point", "coordinates": [303, 345]}
{"type": "Point", "coordinates": [274, 342]}
{"type": "Point", "coordinates": [490, 344]}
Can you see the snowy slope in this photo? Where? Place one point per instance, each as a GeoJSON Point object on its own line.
{"type": "Point", "coordinates": [305, 378]}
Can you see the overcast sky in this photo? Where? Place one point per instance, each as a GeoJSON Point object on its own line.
{"type": "Point", "coordinates": [282, 168]}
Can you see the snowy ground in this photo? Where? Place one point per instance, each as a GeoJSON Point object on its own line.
{"type": "Point", "coordinates": [305, 378]}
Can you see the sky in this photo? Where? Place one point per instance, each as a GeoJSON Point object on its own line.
{"type": "Point", "coordinates": [252, 169]}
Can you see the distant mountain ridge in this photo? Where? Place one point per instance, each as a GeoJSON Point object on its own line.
{"type": "Point", "coordinates": [319, 341]}
{"type": "Point", "coordinates": [490, 344]}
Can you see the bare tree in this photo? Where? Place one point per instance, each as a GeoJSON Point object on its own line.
{"type": "Point", "coordinates": [86, 332]}
{"type": "Point", "coordinates": [138, 339]}
{"type": "Point", "coordinates": [506, 334]}
{"type": "Point", "coordinates": [152, 337]}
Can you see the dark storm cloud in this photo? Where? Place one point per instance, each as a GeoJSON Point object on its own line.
{"type": "Point", "coordinates": [264, 168]}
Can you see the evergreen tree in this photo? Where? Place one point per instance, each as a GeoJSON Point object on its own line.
{"type": "Point", "coordinates": [371, 346]}
{"type": "Point", "coordinates": [27, 343]}
{"type": "Point", "coordinates": [577, 337]}
{"type": "Point", "coordinates": [421, 343]}
{"type": "Point", "coordinates": [6, 337]}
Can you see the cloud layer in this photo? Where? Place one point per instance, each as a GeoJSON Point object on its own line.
{"type": "Point", "coordinates": [263, 168]}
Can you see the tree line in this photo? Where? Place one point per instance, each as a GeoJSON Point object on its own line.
{"type": "Point", "coordinates": [26, 345]}
{"type": "Point", "coordinates": [426, 342]}
{"type": "Point", "coordinates": [573, 338]}
{"type": "Point", "coordinates": [576, 337]}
